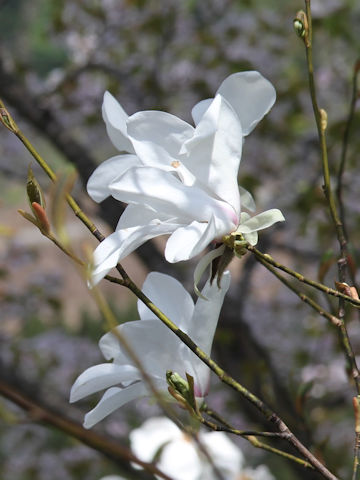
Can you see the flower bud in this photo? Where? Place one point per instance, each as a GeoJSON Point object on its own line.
{"type": "Point", "coordinates": [34, 190]}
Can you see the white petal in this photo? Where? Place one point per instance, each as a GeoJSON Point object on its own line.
{"type": "Point", "coordinates": [206, 312]}
{"type": "Point", "coordinates": [157, 137]}
{"type": "Point", "coordinates": [261, 221]}
{"type": "Point", "coordinates": [102, 376]}
{"type": "Point", "coordinates": [202, 329]}
{"type": "Point", "coordinates": [215, 151]}
{"type": "Point", "coordinates": [200, 108]}
{"type": "Point", "coordinates": [180, 460]}
{"type": "Point", "coordinates": [204, 262]}
{"type": "Point", "coordinates": [110, 346]}
{"type": "Point", "coordinates": [170, 296]}
{"type": "Point", "coordinates": [227, 457]}
{"type": "Point", "coordinates": [251, 238]}
{"type": "Point", "coordinates": [115, 119]}
{"type": "Point", "coordinates": [135, 215]}
{"type": "Point", "coordinates": [151, 436]}
{"type": "Point", "coordinates": [106, 173]}
{"type": "Point", "coordinates": [157, 347]}
{"type": "Point", "coordinates": [247, 200]}
{"type": "Point", "coordinates": [121, 243]}
{"type": "Point", "coordinates": [186, 242]}
{"type": "Point", "coordinates": [250, 95]}
{"type": "Point", "coordinates": [113, 399]}
{"type": "Point", "coordinates": [163, 192]}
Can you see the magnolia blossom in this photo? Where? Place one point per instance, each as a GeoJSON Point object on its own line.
{"type": "Point", "coordinates": [181, 458]}
{"type": "Point", "coordinates": [157, 347]}
{"type": "Point", "coordinates": [180, 179]}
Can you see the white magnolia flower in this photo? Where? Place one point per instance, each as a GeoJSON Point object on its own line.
{"type": "Point", "coordinates": [180, 457]}
{"type": "Point", "coordinates": [179, 179]}
{"type": "Point", "coordinates": [157, 347]}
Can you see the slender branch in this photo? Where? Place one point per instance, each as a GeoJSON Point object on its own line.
{"type": "Point", "coordinates": [345, 144]}
{"type": "Point", "coordinates": [102, 444]}
{"type": "Point", "coordinates": [356, 465]}
{"type": "Point", "coordinates": [301, 278]}
{"type": "Point", "coordinates": [318, 308]}
{"type": "Point", "coordinates": [251, 437]}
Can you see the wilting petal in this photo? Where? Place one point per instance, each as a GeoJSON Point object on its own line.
{"type": "Point", "coordinates": [247, 200]}
{"type": "Point", "coordinates": [260, 221]}
{"type": "Point", "coordinates": [157, 138]}
{"type": "Point", "coordinates": [165, 193]}
{"type": "Point", "coordinates": [186, 242]}
{"type": "Point", "coordinates": [215, 151]}
{"type": "Point", "coordinates": [115, 119]}
{"type": "Point", "coordinates": [151, 436]}
{"type": "Point", "coordinates": [250, 95]}
{"type": "Point", "coordinates": [106, 173]}
{"type": "Point", "coordinates": [113, 399]}
{"type": "Point", "coordinates": [170, 296]}
{"type": "Point", "coordinates": [100, 377]}
{"type": "Point", "coordinates": [121, 243]}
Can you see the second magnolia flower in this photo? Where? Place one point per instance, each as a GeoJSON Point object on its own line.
{"type": "Point", "coordinates": [179, 179]}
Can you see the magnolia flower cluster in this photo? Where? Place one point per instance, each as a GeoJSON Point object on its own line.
{"type": "Point", "coordinates": [181, 458]}
{"type": "Point", "coordinates": [180, 179]}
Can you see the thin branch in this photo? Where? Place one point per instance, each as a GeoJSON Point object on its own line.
{"type": "Point", "coordinates": [345, 144]}
{"type": "Point", "coordinates": [251, 437]}
{"type": "Point", "coordinates": [43, 414]}
{"type": "Point", "coordinates": [356, 465]}
{"type": "Point", "coordinates": [301, 278]}
{"type": "Point", "coordinates": [318, 308]}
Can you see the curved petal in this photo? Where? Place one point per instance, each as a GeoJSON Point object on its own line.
{"type": "Point", "coordinates": [157, 347]}
{"type": "Point", "coordinates": [135, 215]}
{"type": "Point", "coordinates": [100, 377]}
{"type": "Point", "coordinates": [186, 242]}
{"type": "Point", "coordinates": [157, 138]}
{"type": "Point", "coordinates": [247, 200]}
{"type": "Point", "coordinates": [199, 109]}
{"type": "Point", "coordinates": [115, 120]}
{"type": "Point", "coordinates": [170, 296]}
{"type": "Point", "coordinates": [121, 243]}
{"type": "Point", "coordinates": [202, 329]}
{"type": "Point", "coordinates": [165, 193]}
{"type": "Point", "coordinates": [110, 347]}
{"type": "Point", "coordinates": [250, 95]}
{"type": "Point", "coordinates": [214, 151]}
{"type": "Point", "coordinates": [261, 221]}
{"type": "Point", "coordinates": [106, 173]}
{"type": "Point", "coordinates": [151, 436]}
{"type": "Point", "coordinates": [113, 399]}
{"type": "Point", "coordinates": [206, 313]}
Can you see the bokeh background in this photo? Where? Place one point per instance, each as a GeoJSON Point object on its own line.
{"type": "Point", "coordinates": [56, 61]}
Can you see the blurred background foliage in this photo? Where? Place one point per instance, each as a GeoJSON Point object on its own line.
{"type": "Point", "coordinates": [56, 61]}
